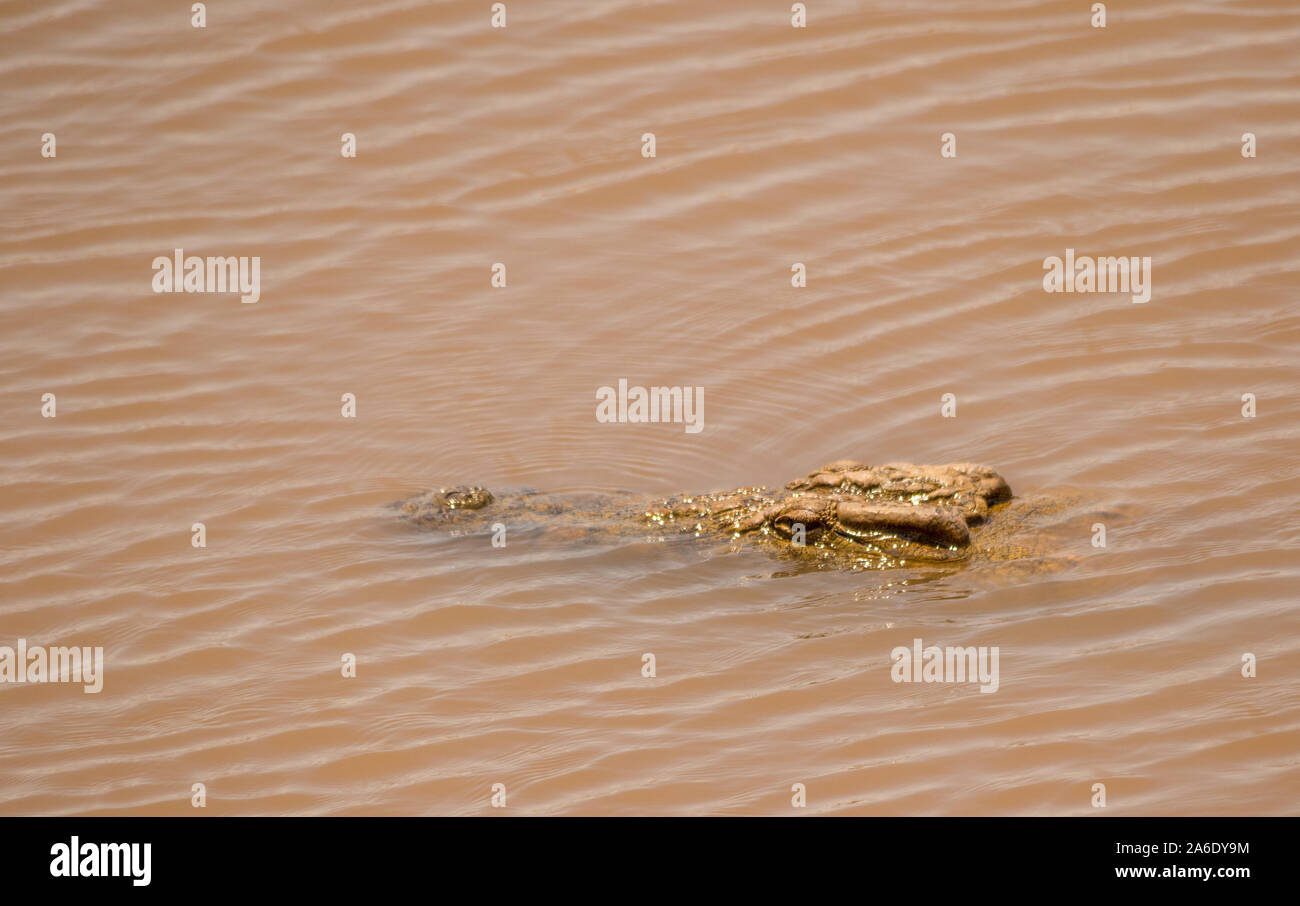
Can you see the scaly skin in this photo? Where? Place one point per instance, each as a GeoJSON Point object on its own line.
{"type": "Point", "coordinates": [846, 514]}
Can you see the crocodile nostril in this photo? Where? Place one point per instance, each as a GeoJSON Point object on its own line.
{"type": "Point", "coordinates": [464, 498]}
{"type": "Point", "coordinates": [994, 489]}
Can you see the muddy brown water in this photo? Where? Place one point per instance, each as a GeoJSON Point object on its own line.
{"type": "Point", "coordinates": [774, 146]}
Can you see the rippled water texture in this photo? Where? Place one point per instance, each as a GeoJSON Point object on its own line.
{"type": "Point", "coordinates": [774, 145]}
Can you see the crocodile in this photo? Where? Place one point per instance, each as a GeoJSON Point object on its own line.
{"type": "Point", "coordinates": [843, 514]}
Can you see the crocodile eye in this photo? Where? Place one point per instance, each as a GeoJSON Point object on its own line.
{"type": "Point", "coordinates": [813, 523]}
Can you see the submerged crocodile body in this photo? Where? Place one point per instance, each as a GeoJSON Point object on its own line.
{"type": "Point", "coordinates": [845, 513]}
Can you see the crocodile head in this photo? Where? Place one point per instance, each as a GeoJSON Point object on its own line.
{"type": "Point", "coordinates": [894, 511]}
{"type": "Point", "coordinates": [441, 505]}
